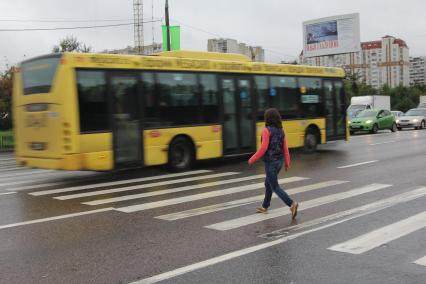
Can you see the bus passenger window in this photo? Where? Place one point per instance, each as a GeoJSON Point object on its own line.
{"type": "Point", "coordinates": [262, 91]}
{"type": "Point", "coordinates": [284, 96]}
{"type": "Point", "coordinates": [178, 100]}
{"type": "Point", "coordinates": [151, 115]}
{"type": "Point", "coordinates": [310, 97]}
{"type": "Point", "coordinates": [93, 105]}
{"type": "Point", "coordinates": [209, 94]}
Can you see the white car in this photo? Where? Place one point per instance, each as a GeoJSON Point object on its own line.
{"type": "Point", "coordinates": [397, 113]}
{"type": "Point", "coordinates": [415, 117]}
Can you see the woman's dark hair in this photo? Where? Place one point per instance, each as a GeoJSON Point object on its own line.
{"type": "Point", "coordinates": [273, 118]}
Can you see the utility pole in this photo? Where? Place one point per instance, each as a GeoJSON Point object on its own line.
{"type": "Point", "coordinates": [168, 44]}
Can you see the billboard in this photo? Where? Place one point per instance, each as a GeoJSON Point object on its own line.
{"type": "Point", "coordinates": [333, 35]}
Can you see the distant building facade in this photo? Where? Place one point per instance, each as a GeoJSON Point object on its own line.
{"type": "Point", "coordinates": [380, 62]}
{"type": "Point", "coordinates": [256, 53]}
{"type": "Point", "coordinates": [146, 50]}
{"type": "Point", "coordinates": [417, 70]}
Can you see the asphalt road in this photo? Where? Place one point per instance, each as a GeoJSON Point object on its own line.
{"type": "Point", "coordinates": [361, 220]}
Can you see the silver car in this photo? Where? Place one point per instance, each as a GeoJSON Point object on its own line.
{"type": "Point", "coordinates": [415, 117]}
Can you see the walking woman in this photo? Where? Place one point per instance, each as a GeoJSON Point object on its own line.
{"type": "Point", "coordinates": [274, 151]}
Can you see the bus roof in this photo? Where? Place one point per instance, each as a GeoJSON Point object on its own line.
{"type": "Point", "coordinates": [194, 61]}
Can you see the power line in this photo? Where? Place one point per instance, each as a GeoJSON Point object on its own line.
{"type": "Point", "coordinates": [71, 28]}
{"type": "Point", "coordinates": [63, 21]}
{"type": "Point", "coordinates": [221, 36]}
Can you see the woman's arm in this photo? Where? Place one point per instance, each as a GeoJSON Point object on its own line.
{"type": "Point", "coordinates": [287, 158]}
{"type": "Point", "coordinates": [263, 147]}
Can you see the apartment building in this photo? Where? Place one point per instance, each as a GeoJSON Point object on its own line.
{"type": "Point", "coordinates": [417, 70]}
{"type": "Point", "coordinates": [380, 62]}
{"type": "Point", "coordinates": [256, 53]}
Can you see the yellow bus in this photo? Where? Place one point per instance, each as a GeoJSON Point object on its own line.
{"type": "Point", "coordinates": [76, 111]}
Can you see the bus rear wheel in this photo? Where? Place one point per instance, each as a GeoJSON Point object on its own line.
{"type": "Point", "coordinates": [181, 155]}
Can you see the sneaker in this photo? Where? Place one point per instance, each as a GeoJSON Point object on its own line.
{"type": "Point", "coordinates": [293, 209]}
{"type": "Point", "coordinates": [261, 210]}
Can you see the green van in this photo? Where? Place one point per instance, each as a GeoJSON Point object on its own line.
{"type": "Point", "coordinates": [373, 120]}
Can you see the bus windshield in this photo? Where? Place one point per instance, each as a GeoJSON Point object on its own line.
{"type": "Point", "coordinates": [38, 74]}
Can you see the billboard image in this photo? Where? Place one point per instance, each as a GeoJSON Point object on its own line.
{"type": "Point", "coordinates": [333, 35]}
{"type": "Point", "coordinates": [321, 32]}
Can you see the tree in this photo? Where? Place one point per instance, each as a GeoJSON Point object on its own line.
{"type": "Point", "coordinates": [6, 99]}
{"type": "Point", "coordinates": [71, 44]}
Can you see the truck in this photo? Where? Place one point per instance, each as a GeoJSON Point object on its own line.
{"type": "Point", "coordinates": [361, 103]}
{"type": "Point", "coordinates": [422, 103]}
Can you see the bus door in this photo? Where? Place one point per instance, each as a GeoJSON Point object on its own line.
{"type": "Point", "coordinates": [335, 110]}
{"type": "Point", "coordinates": [238, 121]}
{"type": "Point", "coordinates": [127, 138]}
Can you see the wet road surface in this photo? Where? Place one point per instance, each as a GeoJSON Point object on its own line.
{"type": "Point", "coordinates": [361, 220]}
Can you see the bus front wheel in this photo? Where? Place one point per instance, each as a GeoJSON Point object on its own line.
{"type": "Point", "coordinates": [181, 154]}
{"type": "Point", "coordinates": [311, 141]}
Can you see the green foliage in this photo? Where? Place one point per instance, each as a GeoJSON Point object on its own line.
{"type": "Point", "coordinates": [71, 44]}
{"type": "Point", "coordinates": [402, 98]}
{"type": "Point", "coordinates": [6, 99]}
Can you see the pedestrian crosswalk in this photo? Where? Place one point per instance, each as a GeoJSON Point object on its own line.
{"type": "Point", "coordinates": [382, 235]}
{"type": "Point", "coordinates": [176, 195]}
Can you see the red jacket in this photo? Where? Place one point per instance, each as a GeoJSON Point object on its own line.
{"type": "Point", "coordinates": [264, 147]}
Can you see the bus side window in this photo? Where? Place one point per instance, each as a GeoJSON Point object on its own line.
{"type": "Point", "coordinates": [209, 97]}
{"type": "Point", "coordinates": [92, 99]}
{"type": "Point", "coordinates": [178, 98]}
{"type": "Point", "coordinates": [310, 97]}
{"type": "Point", "coordinates": [151, 115]}
{"type": "Point", "coordinates": [262, 91]}
{"type": "Point", "coordinates": [285, 96]}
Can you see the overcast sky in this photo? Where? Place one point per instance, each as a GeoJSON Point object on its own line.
{"type": "Point", "coordinates": [275, 25]}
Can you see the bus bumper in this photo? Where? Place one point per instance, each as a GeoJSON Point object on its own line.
{"type": "Point", "coordinates": [74, 162]}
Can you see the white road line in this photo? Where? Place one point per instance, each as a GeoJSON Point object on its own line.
{"type": "Point", "coordinates": [383, 235]}
{"type": "Point", "coordinates": [348, 215]}
{"type": "Point", "coordinates": [358, 164]}
{"type": "Point", "coordinates": [5, 168]}
{"type": "Point", "coordinates": [255, 218]}
{"type": "Point", "coordinates": [113, 183]}
{"type": "Point", "coordinates": [381, 143]}
{"type": "Point", "coordinates": [421, 261]}
{"type": "Point", "coordinates": [7, 193]}
{"type": "Point", "coordinates": [27, 173]}
{"type": "Point", "coordinates": [174, 201]}
{"type": "Point", "coordinates": [54, 218]}
{"type": "Point", "coordinates": [4, 160]}
{"type": "Point", "coordinates": [34, 182]}
{"type": "Point", "coordinates": [242, 202]}
{"type": "Point", "coordinates": [142, 186]}
{"type": "Point", "coordinates": [173, 190]}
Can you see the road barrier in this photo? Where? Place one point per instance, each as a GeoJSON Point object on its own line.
{"type": "Point", "coordinates": [6, 142]}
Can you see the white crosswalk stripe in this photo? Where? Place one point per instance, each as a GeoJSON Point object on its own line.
{"type": "Point", "coordinates": [174, 190]}
{"type": "Point", "coordinates": [421, 261]}
{"type": "Point", "coordinates": [352, 213]}
{"type": "Point", "coordinates": [113, 183]}
{"type": "Point", "coordinates": [138, 187]}
{"type": "Point", "coordinates": [26, 173]}
{"type": "Point", "coordinates": [242, 202]}
{"type": "Point", "coordinates": [383, 235]}
{"type": "Point", "coordinates": [255, 218]}
{"type": "Point", "coordinates": [174, 201]}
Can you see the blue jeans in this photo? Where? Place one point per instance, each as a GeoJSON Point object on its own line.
{"type": "Point", "coordinates": [272, 168]}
